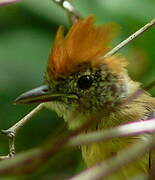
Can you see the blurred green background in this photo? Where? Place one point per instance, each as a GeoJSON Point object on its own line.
{"type": "Point", "coordinates": [27, 30]}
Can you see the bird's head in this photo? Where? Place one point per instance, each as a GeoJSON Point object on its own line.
{"type": "Point", "coordinates": [78, 76]}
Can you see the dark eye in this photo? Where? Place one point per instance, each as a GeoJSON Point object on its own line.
{"type": "Point", "coordinates": [85, 82]}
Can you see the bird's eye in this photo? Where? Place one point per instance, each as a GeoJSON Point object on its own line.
{"type": "Point", "coordinates": [85, 82]}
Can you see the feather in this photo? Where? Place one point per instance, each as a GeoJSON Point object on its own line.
{"type": "Point", "coordinates": [84, 43]}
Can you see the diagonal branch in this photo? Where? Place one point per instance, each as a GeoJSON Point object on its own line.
{"type": "Point", "coordinates": [11, 132]}
{"type": "Point", "coordinates": [130, 38]}
{"type": "Point", "coordinates": [40, 155]}
{"type": "Point", "coordinates": [104, 169]}
{"type": "Point", "coordinates": [73, 15]}
{"type": "Point", "coordinates": [5, 2]}
{"type": "Point", "coordinates": [130, 129]}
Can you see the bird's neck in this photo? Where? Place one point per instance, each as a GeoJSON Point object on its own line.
{"type": "Point", "coordinates": [135, 110]}
{"type": "Point", "coordinates": [113, 116]}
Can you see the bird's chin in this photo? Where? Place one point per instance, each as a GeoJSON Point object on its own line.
{"type": "Point", "coordinates": [62, 109]}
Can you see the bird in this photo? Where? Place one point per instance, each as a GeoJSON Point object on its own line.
{"type": "Point", "coordinates": [80, 82]}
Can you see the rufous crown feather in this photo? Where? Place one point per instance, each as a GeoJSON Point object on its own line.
{"type": "Point", "coordinates": [84, 43]}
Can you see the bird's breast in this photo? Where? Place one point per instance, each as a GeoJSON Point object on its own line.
{"type": "Point", "coordinates": [103, 151]}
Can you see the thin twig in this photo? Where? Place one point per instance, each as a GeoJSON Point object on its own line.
{"type": "Point", "coordinates": [5, 2]}
{"type": "Point", "coordinates": [130, 129]}
{"type": "Point", "coordinates": [130, 38]}
{"type": "Point", "coordinates": [24, 120]}
{"type": "Point", "coordinates": [4, 157]}
{"type": "Point", "coordinates": [11, 132]}
{"type": "Point", "coordinates": [39, 156]}
{"type": "Point", "coordinates": [104, 169]}
{"type": "Point", "coordinates": [74, 16]}
{"type": "Point", "coordinates": [149, 86]}
{"type": "Point", "coordinates": [139, 92]}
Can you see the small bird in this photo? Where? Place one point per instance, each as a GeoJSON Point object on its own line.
{"type": "Point", "coordinates": [80, 82]}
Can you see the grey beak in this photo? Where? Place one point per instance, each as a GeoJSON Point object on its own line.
{"type": "Point", "coordinates": [40, 95]}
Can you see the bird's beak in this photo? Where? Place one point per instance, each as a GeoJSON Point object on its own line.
{"type": "Point", "coordinates": [39, 95]}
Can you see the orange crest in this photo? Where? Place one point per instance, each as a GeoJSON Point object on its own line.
{"type": "Point", "coordinates": [83, 44]}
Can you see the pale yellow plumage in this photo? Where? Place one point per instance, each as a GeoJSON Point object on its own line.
{"type": "Point", "coordinates": [98, 152]}
{"type": "Point", "coordinates": [81, 83]}
{"type": "Point", "coordinates": [135, 110]}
